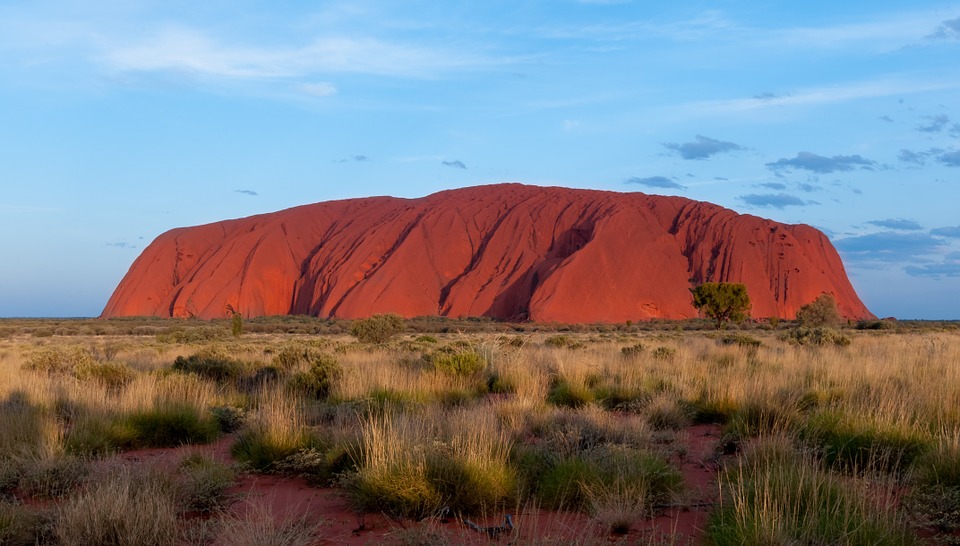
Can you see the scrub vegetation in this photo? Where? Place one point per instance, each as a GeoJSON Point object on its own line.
{"type": "Point", "coordinates": [829, 434]}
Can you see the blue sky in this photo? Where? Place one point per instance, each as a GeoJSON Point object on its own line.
{"type": "Point", "coordinates": [121, 120]}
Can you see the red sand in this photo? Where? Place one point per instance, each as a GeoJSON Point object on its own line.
{"type": "Point", "coordinates": [506, 251]}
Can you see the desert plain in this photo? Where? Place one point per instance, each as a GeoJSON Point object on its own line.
{"type": "Point", "coordinates": [297, 430]}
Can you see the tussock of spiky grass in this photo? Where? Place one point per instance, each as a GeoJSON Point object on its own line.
{"type": "Point", "coordinates": [775, 495]}
{"type": "Point", "coordinates": [855, 442]}
{"type": "Point", "coordinates": [52, 476]}
{"type": "Point", "coordinates": [934, 499]}
{"type": "Point", "coordinates": [275, 430]}
{"type": "Point", "coordinates": [411, 466]}
{"type": "Point", "coordinates": [151, 411]}
{"type": "Point", "coordinates": [598, 475]}
{"type": "Point", "coordinates": [21, 526]}
{"type": "Point", "coordinates": [258, 526]}
{"type": "Point", "coordinates": [123, 507]}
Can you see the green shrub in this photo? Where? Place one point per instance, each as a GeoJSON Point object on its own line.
{"type": "Point", "coordinates": [112, 375]}
{"type": "Point", "coordinates": [426, 339]}
{"type": "Point", "coordinates": [457, 362]}
{"type": "Point", "coordinates": [318, 379]}
{"type": "Point", "coordinates": [298, 354]}
{"type": "Point", "coordinates": [204, 483]}
{"type": "Point", "coordinates": [229, 418]}
{"type": "Point", "coordinates": [212, 364]}
{"type": "Point", "coordinates": [633, 350]}
{"type": "Point", "coordinates": [816, 336]}
{"type": "Point", "coordinates": [664, 353]}
{"type": "Point", "coordinates": [742, 340]}
{"type": "Point", "coordinates": [377, 329]}
{"type": "Point", "coordinates": [54, 360]}
{"type": "Point", "coordinates": [875, 325]}
{"type": "Point", "coordinates": [563, 341]}
{"type": "Point", "coordinates": [320, 466]}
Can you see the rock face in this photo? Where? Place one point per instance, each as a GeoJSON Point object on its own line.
{"type": "Point", "coordinates": [506, 251]}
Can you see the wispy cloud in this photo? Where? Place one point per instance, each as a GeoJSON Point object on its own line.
{"type": "Point", "coordinates": [655, 182]}
{"type": "Point", "coordinates": [944, 269]}
{"type": "Point", "coordinates": [897, 223]}
{"type": "Point", "coordinates": [247, 192]}
{"type": "Point", "coordinates": [821, 164]}
{"type": "Point", "coordinates": [821, 95]}
{"type": "Point", "coordinates": [122, 245]}
{"type": "Point", "coordinates": [948, 30]}
{"type": "Point", "coordinates": [950, 159]}
{"type": "Point", "coordinates": [354, 158]}
{"type": "Point", "coordinates": [950, 231]}
{"type": "Point", "coordinates": [319, 89]}
{"type": "Point", "coordinates": [889, 246]}
{"type": "Point", "coordinates": [934, 124]}
{"type": "Point", "coordinates": [456, 164]}
{"type": "Point", "coordinates": [702, 147]}
{"type": "Point", "coordinates": [189, 50]}
{"type": "Point", "coordinates": [774, 200]}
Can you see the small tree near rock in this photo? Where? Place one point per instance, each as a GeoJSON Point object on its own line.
{"type": "Point", "coordinates": [820, 312]}
{"type": "Point", "coordinates": [722, 301]}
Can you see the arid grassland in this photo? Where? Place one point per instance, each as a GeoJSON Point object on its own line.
{"type": "Point", "coordinates": [817, 436]}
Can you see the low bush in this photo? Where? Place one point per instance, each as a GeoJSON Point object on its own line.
{"type": "Point", "coordinates": [113, 375]}
{"type": "Point", "coordinates": [53, 360]}
{"type": "Point", "coordinates": [816, 336]}
{"type": "Point", "coordinates": [563, 341]}
{"type": "Point", "coordinates": [462, 362]}
{"type": "Point", "coordinates": [377, 329]}
{"type": "Point", "coordinates": [204, 483]}
{"type": "Point", "coordinates": [632, 350]}
{"type": "Point", "coordinates": [875, 325]}
{"type": "Point", "coordinates": [229, 418]}
{"type": "Point", "coordinates": [318, 379]}
{"type": "Point", "coordinates": [664, 353]}
{"type": "Point", "coordinates": [210, 363]}
{"type": "Point", "coordinates": [742, 340]}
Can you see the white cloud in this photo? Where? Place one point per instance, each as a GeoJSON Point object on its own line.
{"type": "Point", "coordinates": [182, 49]}
{"type": "Point", "coordinates": [819, 95]}
{"type": "Point", "coordinates": [319, 89]}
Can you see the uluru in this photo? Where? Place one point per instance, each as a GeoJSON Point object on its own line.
{"type": "Point", "coordinates": [506, 251]}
